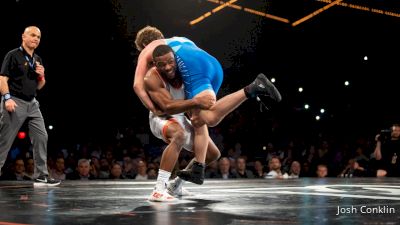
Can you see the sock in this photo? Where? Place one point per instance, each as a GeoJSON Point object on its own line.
{"type": "Point", "coordinates": [197, 164]}
{"type": "Point", "coordinates": [162, 179]}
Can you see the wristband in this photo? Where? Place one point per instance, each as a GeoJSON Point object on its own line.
{"type": "Point", "coordinates": [6, 96]}
{"type": "Point", "coordinates": [40, 78]}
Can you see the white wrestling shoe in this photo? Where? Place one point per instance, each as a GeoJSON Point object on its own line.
{"type": "Point", "coordinates": [177, 190]}
{"type": "Point", "coordinates": [161, 196]}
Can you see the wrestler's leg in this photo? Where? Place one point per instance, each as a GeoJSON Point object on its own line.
{"type": "Point", "coordinates": [175, 135]}
{"type": "Point", "coordinates": [212, 117]}
{"type": "Point", "coordinates": [175, 186]}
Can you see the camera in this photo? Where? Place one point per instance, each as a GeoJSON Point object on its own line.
{"type": "Point", "coordinates": [385, 135]}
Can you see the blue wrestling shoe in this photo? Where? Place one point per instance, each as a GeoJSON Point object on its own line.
{"type": "Point", "coordinates": [194, 175]}
{"type": "Point", "coordinates": [262, 86]}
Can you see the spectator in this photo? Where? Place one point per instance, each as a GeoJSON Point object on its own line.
{"type": "Point", "coordinates": [361, 158]}
{"type": "Point", "coordinates": [116, 171]}
{"type": "Point", "coordinates": [224, 169]}
{"type": "Point", "coordinates": [306, 170]}
{"type": "Point", "coordinates": [322, 171]}
{"type": "Point", "coordinates": [152, 174]}
{"type": "Point", "coordinates": [142, 171]}
{"type": "Point", "coordinates": [387, 151]}
{"type": "Point", "coordinates": [241, 171]}
{"type": "Point", "coordinates": [275, 169]}
{"type": "Point", "coordinates": [95, 166]}
{"type": "Point", "coordinates": [211, 168]}
{"type": "Point", "coordinates": [58, 172]}
{"type": "Point", "coordinates": [82, 172]}
{"type": "Point", "coordinates": [128, 171]}
{"type": "Point", "coordinates": [30, 168]}
{"type": "Point", "coordinates": [259, 169]}
{"type": "Point", "coordinates": [18, 172]}
{"type": "Point", "coordinates": [353, 169]}
{"type": "Point", "coordinates": [104, 172]}
{"type": "Point", "coordinates": [295, 170]}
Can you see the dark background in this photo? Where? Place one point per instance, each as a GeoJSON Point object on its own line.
{"type": "Point", "coordinates": [89, 55]}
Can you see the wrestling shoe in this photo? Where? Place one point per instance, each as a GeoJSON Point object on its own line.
{"type": "Point", "coordinates": [262, 86]}
{"type": "Point", "coordinates": [45, 181]}
{"type": "Point", "coordinates": [161, 196]}
{"type": "Point", "coordinates": [194, 175]}
{"type": "Point", "coordinates": [177, 190]}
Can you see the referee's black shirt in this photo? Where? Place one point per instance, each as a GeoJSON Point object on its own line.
{"type": "Point", "coordinates": [20, 67]}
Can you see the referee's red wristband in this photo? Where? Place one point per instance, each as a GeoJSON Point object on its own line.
{"type": "Point", "coordinates": [40, 78]}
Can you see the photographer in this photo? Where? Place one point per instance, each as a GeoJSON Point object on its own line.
{"type": "Point", "coordinates": [387, 152]}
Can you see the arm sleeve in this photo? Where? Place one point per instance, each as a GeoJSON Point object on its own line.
{"type": "Point", "coordinates": [7, 65]}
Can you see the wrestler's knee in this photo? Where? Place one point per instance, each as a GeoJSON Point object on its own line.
{"type": "Point", "coordinates": [197, 121]}
{"type": "Point", "coordinates": [213, 121]}
{"type": "Point", "coordinates": [213, 154]}
{"type": "Point", "coordinates": [210, 122]}
{"type": "Point", "coordinates": [216, 155]}
{"type": "Point", "coordinates": [205, 117]}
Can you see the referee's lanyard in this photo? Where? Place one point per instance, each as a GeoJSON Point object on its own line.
{"type": "Point", "coordinates": [31, 62]}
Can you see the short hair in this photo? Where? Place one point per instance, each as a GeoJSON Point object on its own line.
{"type": "Point", "coordinates": [116, 164]}
{"type": "Point", "coordinates": [83, 161]}
{"type": "Point", "coordinates": [146, 35]}
{"type": "Point", "coordinates": [161, 50]}
{"type": "Point", "coordinates": [322, 165]}
{"type": "Point", "coordinates": [241, 157]}
{"type": "Point", "coordinates": [224, 159]}
{"type": "Point", "coordinates": [274, 157]}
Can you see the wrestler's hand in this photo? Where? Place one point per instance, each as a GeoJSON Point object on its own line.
{"type": "Point", "coordinates": [10, 105]}
{"type": "Point", "coordinates": [158, 112]}
{"type": "Point", "coordinates": [205, 102]}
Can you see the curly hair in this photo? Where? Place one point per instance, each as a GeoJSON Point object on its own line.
{"type": "Point", "coordinates": [146, 35]}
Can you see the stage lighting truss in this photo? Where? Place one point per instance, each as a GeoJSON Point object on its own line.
{"type": "Point", "coordinates": [329, 3]}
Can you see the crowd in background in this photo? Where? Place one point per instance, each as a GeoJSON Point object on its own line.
{"type": "Point", "coordinates": [134, 153]}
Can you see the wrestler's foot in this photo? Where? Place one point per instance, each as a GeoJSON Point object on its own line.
{"type": "Point", "coordinates": [161, 196]}
{"type": "Point", "coordinates": [176, 189]}
{"type": "Point", "coordinates": [262, 86]}
{"type": "Point", "coordinates": [194, 175]}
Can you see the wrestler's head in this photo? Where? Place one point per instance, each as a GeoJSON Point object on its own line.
{"type": "Point", "coordinates": [164, 60]}
{"type": "Point", "coordinates": [146, 35]}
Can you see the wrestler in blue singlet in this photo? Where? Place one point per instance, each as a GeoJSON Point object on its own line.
{"type": "Point", "coordinates": [200, 71]}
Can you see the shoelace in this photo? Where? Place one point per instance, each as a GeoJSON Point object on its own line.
{"type": "Point", "coordinates": [262, 105]}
